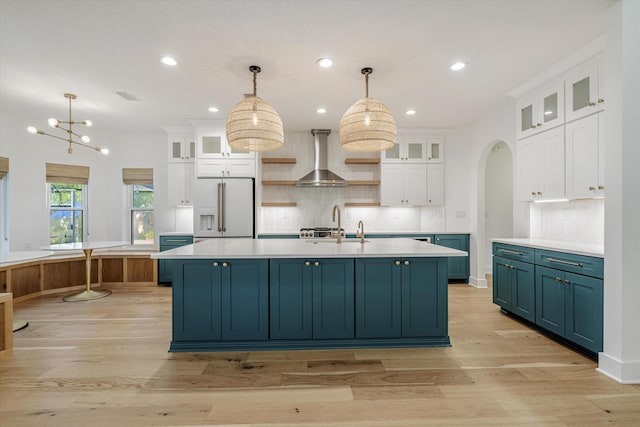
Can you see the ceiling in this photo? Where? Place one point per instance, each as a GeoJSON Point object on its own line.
{"type": "Point", "coordinates": [95, 48]}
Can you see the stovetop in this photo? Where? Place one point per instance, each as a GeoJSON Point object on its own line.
{"type": "Point", "coordinates": [318, 232]}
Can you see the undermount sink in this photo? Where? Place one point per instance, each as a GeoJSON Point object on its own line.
{"type": "Point", "coordinates": [334, 241]}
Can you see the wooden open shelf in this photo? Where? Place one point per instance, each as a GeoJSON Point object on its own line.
{"type": "Point", "coordinates": [278, 204]}
{"type": "Point", "coordinates": [370, 182]}
{"type": "Point", "coordinates": [361, 161]}
{"type": "Point", "coordinates": [279, 160]}
{"type": "Point", "coordinates": [277, 182]}
{"type": "Point", "coordinates": [361, 204]}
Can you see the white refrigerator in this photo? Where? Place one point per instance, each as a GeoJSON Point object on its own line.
{"type": "Point", "coordinates": [223, 207]}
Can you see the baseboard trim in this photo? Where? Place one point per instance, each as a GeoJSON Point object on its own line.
{"type": "Point", "coordinates": [477, 282]}
{"type": "Point", "coordinates": [622, 372]}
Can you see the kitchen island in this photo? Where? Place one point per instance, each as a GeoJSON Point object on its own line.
{"type": "Point", "coordinates": [259, 294]}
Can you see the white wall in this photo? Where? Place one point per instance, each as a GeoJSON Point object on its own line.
{"type": "Point", "coordinates": [498, 197]}
{"type": "Point", "coordinates": [580, 221]}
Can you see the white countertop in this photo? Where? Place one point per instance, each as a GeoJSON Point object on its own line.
{"type": "Point", "coordinates": [554, 245]}
{"type": "Point", "coordinates": [230, 248]}
{"type": "Point", "coordinates": [99, 244]}
{"type": "Point", "coordinates": [21, 256]}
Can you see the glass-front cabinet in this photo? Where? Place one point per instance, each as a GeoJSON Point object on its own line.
{"type": "Point", "coordinates": [214, 146]}
{"type": "Point", "coordinates": [407, 149]}
{"type": "Point", "coordinates": [584, 94]}
{"type": "Point", "coordinates": [541, 110]}
{"type": "Point", "coordinates": [182, 149]}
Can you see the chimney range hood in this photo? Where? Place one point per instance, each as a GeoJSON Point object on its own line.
{"type": "Point", "coordinates": [320, 176]}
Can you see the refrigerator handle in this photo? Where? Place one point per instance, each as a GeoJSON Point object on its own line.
{"type": "Point", "coordinates": [224, 191]}
{"type": "Point", "coordinates": [219, 206]}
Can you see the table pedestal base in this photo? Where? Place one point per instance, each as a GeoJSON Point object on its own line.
{"type": "Point", "coordinates": [19, 324]}
{"type": "Point", "coordinates": [87, 295]}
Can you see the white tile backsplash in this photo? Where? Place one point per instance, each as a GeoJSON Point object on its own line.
{"type": "Point", "coordinates": [580, 221]}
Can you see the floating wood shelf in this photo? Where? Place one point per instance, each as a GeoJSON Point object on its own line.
{"type": "Point", "coordinates": [277, 182]}
{"type": "Point", "coordinates": [361, 161]}
{"type": "Point", "coordinates": [279, 160]}
{"type": "Point", "coordinates": [371, 182]}
{"type": "Point", "coordinates": [361, 204]}
{"type": "Point", "coordinates": [278, 204]}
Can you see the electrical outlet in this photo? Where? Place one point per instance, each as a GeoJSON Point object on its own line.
{"type": "Point", "coordinates": [461, 214]}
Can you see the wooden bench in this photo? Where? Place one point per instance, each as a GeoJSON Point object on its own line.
{"type": "Point", "coordinates": [6, 322]}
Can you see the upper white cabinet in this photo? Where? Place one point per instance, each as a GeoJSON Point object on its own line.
{"type": "Point", "coordinates": [583, 158]}
{"type": "Point", "coordinates": [216, 159]}
{"type": "Point", "coordinates": [179, 188]}
{"type": "Point", "coordinates": [541, 110]}
{"type": "Point", "coordinates": [584, 94]}
{"type": "Point", "coordinates": [435, 184]}
{"type": "Point", "coordinates": [407, 149]}
{"type": "Point", "coordinates": [435, 149]}
{"type": "Point", "coordinates": [182, 149]}
{"type": "Point", "coordinates": [541, 166]}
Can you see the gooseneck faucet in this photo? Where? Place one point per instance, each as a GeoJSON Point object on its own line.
{"type": "Point", "coordinates": [360, 231]}
{"type": "Point", "coordinates": [338, 234]}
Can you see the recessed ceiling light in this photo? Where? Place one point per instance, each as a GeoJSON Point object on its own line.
{"type": "Point", "coordinates": [321, 110]}
{"type": "Point", "coordinates": [167, 60]}
{"type": "Point", "coordinates": [410, 112]}
{"type": "Point", "coordinates": [213, 109]}
{"type": "Point", "coordinates": [458, 66]}
{"type": "Point", "coordinates": [325, 62]}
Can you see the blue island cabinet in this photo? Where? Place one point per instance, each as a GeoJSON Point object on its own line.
{"type": "Point", "coordinates": [401, 297]}
{"type": "Point", "coordinates": [217, 300]}
{"type": "Point", "coordinates": [311, 299]}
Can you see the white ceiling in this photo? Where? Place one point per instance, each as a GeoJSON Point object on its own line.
{"type": "Point", "coordinates": [96, 48]}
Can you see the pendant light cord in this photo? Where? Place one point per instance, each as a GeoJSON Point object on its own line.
{"type": "Point", "coordinates": [366, 85]}
{"type": "Point", "coordinates": [255, 73]}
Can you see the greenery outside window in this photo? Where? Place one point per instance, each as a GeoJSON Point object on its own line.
{"type": "Point", "coordinates": [67, 205]}
{"type": "Point", "coordinates": [142, 214]}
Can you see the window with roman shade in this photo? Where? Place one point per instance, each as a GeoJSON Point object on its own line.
{"type": "Point", "coordinates": [67, 202]}
{"type": "Point", "coordinates": [4, 166]}
{"type": "Point", "coordinates": [139, 182]}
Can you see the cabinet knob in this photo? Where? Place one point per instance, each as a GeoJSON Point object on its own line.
{"type": "Point", "coordinates": [567, 281]}
{"type": "Point", "coordinates": [592, 104]}
{"type": "Point", "coordinates": [307, 263]}
{"type": "Point", "coordinates": [538, 125]}
{"type": "Point", "coordinates": [600, 100]}
{"type": "Point", "coordinates": [225, 264]}
{"type": "Point", "coordinates": [591, 188]}
{"type": "Point", "coordinates": [317, 263]}
{"type": "Point", "coordinates": [539, 193]}
{"type": "Point", "coordinates": [533, 126]}
{"type": "Point", "coordinates": [558, 279]}
{"type": "Point", "coordinates": [533, 193]}
{"type": "Point", "coordinates": [215, 264]}
{"type": "Point", "coordinates": [397, 263]}
{"type": "Point", "coordinates": [406, 263]}
{"type": "Point", "coordinates": [600, 187]}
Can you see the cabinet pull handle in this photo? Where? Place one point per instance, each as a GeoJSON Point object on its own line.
{"type": "Point", "coordinates": [397, 262]}
{"type": "Point", "coordinates": [592, 104]}
{"type": "Point", "coordinates": [507, 251]}
{"type": "Point", "coordinates": [225, 264]}
{"type": "Point", "coordinates": [176, 240]}
{"type": "Point", "coordinates": [600, 100]}
{"type": "Point", "coordinates": [406, 263]}
{"type": "Point", "coordinates": [533, 193]}
{"type": "Point", "coordinates": [559, 261]}
{"type": "Point", "coordinates": [558, 279]}
{"type": "Point", "coordinates": [567, 281]}
{"type": "Point", "coordinates": [600, 187]}
{"type": "Point", "coordinates": [216, 263]}
{"type": "Point", "coordinates": [307, 263]}
{"type": "Point", "coordinates": [591, 188]}
{"type": "Point", "coordinates": [539, 193]}
{"type": "Point", "coordinates": [538, 125]}
{"type": "Point", "coordinates": [317, 263]}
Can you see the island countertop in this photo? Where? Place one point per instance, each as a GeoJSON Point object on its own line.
{"type": "Point", "coordinates": [243, 248]}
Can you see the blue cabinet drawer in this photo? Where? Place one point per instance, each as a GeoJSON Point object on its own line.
{"type": "Point", "coordinates": [519, 253]}
{"type": "Point", "coordinates": [171, 242]}
{"type": "Point", "coordinates": [580, 264]}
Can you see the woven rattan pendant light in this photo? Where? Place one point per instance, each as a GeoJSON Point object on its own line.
{"type": "Point", "coordinates": [254, 125]}
{"type": "Point", "coordinates": [368, 125]}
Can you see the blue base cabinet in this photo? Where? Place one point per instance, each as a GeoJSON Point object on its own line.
{"type": "Point", "coordinates": [514, 286]}
{"type": "Point", "coordinates": [219, 301]}
{"type": "Point", "coordinates": [165, 266]}
{"type": "Point", "coordinates": [401, 297]}
{"type": "Point", "coordinates": [458, 267]}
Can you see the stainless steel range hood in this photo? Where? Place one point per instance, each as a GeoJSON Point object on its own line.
{"type": "Point", "coordinates": [320, 176]}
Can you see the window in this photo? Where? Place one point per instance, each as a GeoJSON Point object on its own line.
{"type": "Point", "coordinates": [141, 200]}
{"type": "Point", "coordinates": [4, 221]}
{"type": "Point", "coordinates": [67, 203]}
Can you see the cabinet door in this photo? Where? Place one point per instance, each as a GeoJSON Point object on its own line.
{"type": "Point", "coordinates": [391, 154]}
{"type": "Point", "coordinates": [550, 111]}
{"type": "Point", "coordinates": [196, 301]}
{"type": "Point", "coordinates": [415, 149]}
{"type": "Point", "coordinates": [435, 185]}
{"type": "Point", "coordinates": [582, 90]}
{"type": "Point", "coordinates": [165, 271]}
{"type": "Point", "coordinates": [333, 299]}
{"type": "Point", "coordinates": [457, 267]}
{"type": "Point", "coordinates": [378, 298]}
{"type": "Point", "coordinates": [523, 292]}
{"type": "Point", "coordinates": [211, 147]}
{"type": "Point", "coordinates": [176, 149]}
{"type": "Point", "coordinates": [551, 170]}
{"type": "Point", "coordinates": [550, 299]}
{"type": "Point", "coordinates": [241, 168]}
{"type": "Point", "coordinates": [435, 149]}
{"type": "Point", "coordinates": [502, 282]}
{"type": "Point", "coordinates": [392, 185]}
{"type": "Point", "coordinates": [529, 156]}
{"type": "Point", "coordinates": [211, 168]}
{"type": "Point", "coordinates": [245, 300]}
{"type": "Point", "coordinates": [582, 157]}
{"type": "Point", "coordinates": [584, 311]}
{"type": "Point", "coordinates": [180, 184]}
{"type": "Point", "coordinates": [527, 115]}
{"type": "Point", "coordinates": [415, 184]}
{"type": "Point", "coordinates": [424, 297]}
{"type": "Point", "coordinates": [290, 299]}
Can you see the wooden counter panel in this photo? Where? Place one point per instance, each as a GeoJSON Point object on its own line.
{"type": "Point", "coordinates": [25, 280]}
{"type": "Point", "coordinates": [3, 281]}
{"type": "Point", "coordinates": [6, 322]}
{"type": "Point", "coordinates": [112, 270]}
{"type": "Point", "coordinates": [140, 270]}
{"type": "Point", "coordinates": [66, 273]}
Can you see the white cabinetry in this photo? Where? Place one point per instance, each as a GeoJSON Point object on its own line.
{"type": "Point", "coordinates": [179, 190]}
{"type": "Point", "coordinates": [435, 185]}
{"type": "Point", "coordinates": [584, 91]}
{"type": "Point", "coordinates": [182, 149]}
{"type": "Point", "coordinates": [435, 149]}
{"type": "Point", "coordinates": [541, 110]}
{"type": "Point", "coordinates": [583, 158]}
{"type": "Point", "coordinates": [216, 159]}
{"type": "Point", "coordinates": [403, 184]}
{"type": "Point", "coordinates": [541, 166]}
{"type": "Point", "coordinates": [407, 149]}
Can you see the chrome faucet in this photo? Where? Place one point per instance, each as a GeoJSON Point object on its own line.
{"type": "Point", "coordinates": [360, 231]}
{"type": "Point", "coordinates": [338, 235]}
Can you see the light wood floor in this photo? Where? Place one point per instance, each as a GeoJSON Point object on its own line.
{"type": "Point", "coordinates": [105, 363]}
